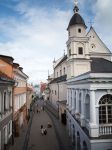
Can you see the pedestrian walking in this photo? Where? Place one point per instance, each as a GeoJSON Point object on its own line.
{"type": "Point", "coordinates": [41, 108]}
{"type": "Point", "coordinates": [42, 130]}
{"type": "Point", "coordinates": [37, 111]}
{"type": "Point", "coordinates": [45, 131]}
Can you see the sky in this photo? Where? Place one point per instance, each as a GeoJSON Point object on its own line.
{"type": "Point", "coordinates": [34, 32]}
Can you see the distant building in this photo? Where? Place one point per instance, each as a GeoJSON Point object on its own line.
{"type": "Point", "coordinates": [58, 87]}
{"type": "Point", "coordinates": [30, 95]}
{"type": "Point", "coordinates": [42, 89]}
{"type": "Point", "coordinates": [19, 92]}
{"type": "Point", "coordinates": [6, 101]}
{"type": "Point", "coordinates": [20, 95]}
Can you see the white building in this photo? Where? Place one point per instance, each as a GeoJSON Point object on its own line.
{"type": "Point", "coordinates": [57, 84]}
{"type": "Point", "coordinates": [6, 90]}
{"type": "Point", "coordinates": [89, 87]}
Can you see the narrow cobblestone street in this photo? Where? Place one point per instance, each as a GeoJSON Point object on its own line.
{"type": "Point", "coordinates": [56, 138]}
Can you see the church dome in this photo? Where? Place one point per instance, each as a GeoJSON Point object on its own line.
{"type": "Point", "coordinates": [76, 19]}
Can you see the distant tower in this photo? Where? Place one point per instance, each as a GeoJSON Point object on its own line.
{"type": "Point", "coordinates": [77, 45]}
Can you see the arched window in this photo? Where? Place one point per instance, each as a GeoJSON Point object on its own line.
{"type": "Point", "coordinates": [73, 136]}
{"type": "Point", "coordinates": [5, 103]}
{"type": "Point", "coordinates": [87, 106]}
{"type": "Point", "coordinates": [78, 141]}
{"type": "Point", "coordinates": [64, 70]}
{"type": "Point", "coordinates": [105, 109]}
{"type": "Point", "coordinates": [60, 73]}
{"type": "Point", "coordinates": [84, 146]}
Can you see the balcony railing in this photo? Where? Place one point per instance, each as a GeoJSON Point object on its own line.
{"type": "Point", "coordinates": [105, 129]}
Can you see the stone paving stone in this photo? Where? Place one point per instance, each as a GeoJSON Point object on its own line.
{"type": "Point", "coordinates": [18, 141]}
{"type": "Point", "coordinates": [37, 141]}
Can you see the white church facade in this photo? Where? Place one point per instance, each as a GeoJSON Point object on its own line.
{"type": "Point", "coordinates": [89, 87]}
{"type": "Point", "coordinates": [86, 77]}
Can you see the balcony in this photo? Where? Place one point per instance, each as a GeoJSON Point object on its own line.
{"type": "Point", "coordinates": [105, 129]}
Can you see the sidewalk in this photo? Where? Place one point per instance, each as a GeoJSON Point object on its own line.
{"type": "Point", "coordinates": [18, 141]}
{"type": "Point", "coordinates": [37, 141]}
{"type": "Point", "coordinates": [61, 133]}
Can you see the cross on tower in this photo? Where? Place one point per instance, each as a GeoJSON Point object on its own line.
{"type": "Point", "coordinates": [91, 22]}
{"type": "Point", "coordinates": [76, 2]}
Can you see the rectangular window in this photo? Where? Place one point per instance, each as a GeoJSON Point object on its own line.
{"type": "Point", "coordinates": [79, 30]}
{"type": "Point", "coordinates": [69, 52]}
{"type": "Point", "coordinates": [60, 73]}
{"type": "Point", "coordinates": [80, 51]}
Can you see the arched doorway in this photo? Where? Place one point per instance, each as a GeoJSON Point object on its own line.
{"type": "Point", "coordinates": [73, 135]}
{"type": "Point", "coordinates": [78, 141]}
{"type": "Point", "coordinates": [84, 146]}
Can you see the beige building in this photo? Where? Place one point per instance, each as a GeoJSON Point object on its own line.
{"type": "Point", "coordinates": [6, 91]}
{"type": "Point", "coordinates": [30, 94]}
{"type": "Point", "coordinates": [57, 84]}
{"type": "Point", "coordinates": [20, 95]}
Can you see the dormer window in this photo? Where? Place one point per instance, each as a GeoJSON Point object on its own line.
{"type": "Point", "coordinates": [79, 30]}
{"type": "Point", "coordinates": [80, 51]}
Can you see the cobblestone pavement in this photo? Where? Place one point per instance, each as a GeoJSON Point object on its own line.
{"type": "Point", "coordinates": [62, 134]}
{"type": "Point", "coordinates": [38, 141]}
{"type": "Point", "coordinates": [56, 138]}
{"type": "Point", "coordinates": [18, 141]}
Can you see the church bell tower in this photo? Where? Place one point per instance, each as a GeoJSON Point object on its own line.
{"type": "Point", "coordinates": [78, 61]}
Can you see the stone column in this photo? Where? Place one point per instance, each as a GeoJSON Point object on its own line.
{"type": "Point", "coordinates": [77, 102]}
{"type": "Point", "coordinates": [82, 109]}
{"type": "Point", "coordinates": [70, 99]}
{"type": "Point", "coordinates": [73, 101]}
{"type": "Point", "coordinates": [92, 108]}
{"type": "Point", "coordinates": [94, 129]}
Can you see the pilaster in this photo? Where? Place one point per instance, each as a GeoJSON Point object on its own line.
{"type": "Point", "coordinates": [94, 130]}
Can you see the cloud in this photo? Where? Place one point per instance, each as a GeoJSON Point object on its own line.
{"type": "Point", "coordinates": [35, 39]}
{"type": "Point", "coordinates": [103, 20]}
{"type": "Point", "coordinates": [35, 35]}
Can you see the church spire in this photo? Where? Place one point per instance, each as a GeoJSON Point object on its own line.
{"type": "Point", "coordinates": [76, 9]}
